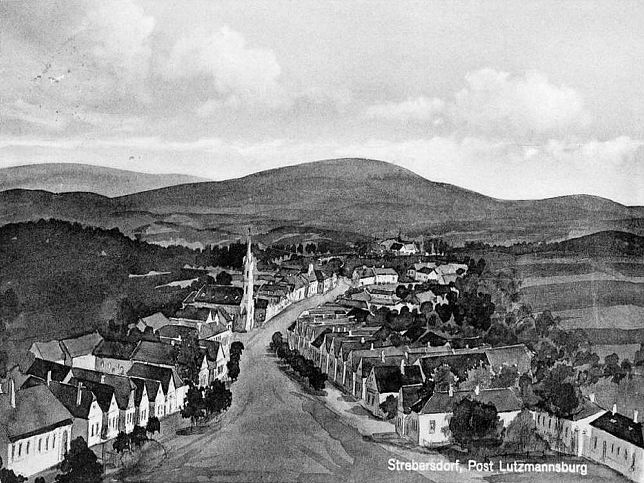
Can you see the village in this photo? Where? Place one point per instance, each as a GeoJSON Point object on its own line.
{"type": "Point", "coordinates": [388, 343]}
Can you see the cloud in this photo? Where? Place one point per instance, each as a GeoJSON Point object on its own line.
{"type": "Point", "coordinates": [418, 109]}
{"type": "Point", "coordinates": [494, 101]}
{"type": "Point", "coordinates": [237, 74]}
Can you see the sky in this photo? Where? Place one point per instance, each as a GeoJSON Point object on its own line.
{"type": "Point", "coordinates": [515, 100]}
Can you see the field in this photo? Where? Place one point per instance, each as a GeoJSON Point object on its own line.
{"type": "Point", "coordinates": [616, 316]}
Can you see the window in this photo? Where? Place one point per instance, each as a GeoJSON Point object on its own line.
{"type": "Point", "coordinates": [625, 453]}
{"type": "Point", "coordinates": [53, 441]}
{"type": "Point", "coordinates": [27, 448]}
{"type": "Point", "coordinates": [19, 449]}
{"type": "Point", "coordinates": [612, 448]}
{"type": "Point", "coordinates": [13, 451]}
{"type": "Point", "coordinates": [432, 426]}
{"type": "Point", "coordinates": [47, 443]}
{"type": "Point", "coordinates": [39, 445]}
{"type": "Point", "coordinates": [92, 430]}
{"type": "Point", "coordinates": [595, 442]}
{"type": "Point", "coordinates": [618, 448]}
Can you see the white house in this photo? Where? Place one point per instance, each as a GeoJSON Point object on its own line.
{"type": "Point", "coordinates": [83, 406]}
{"type": "Point", "coordinates": [35, 429]}
{"type": "Point", "coordinates": [430, 426]}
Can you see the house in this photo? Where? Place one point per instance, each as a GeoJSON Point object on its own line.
{"type": "Point", "coordinates": [173, 387]}
{"type": "Point", "coordinates": [35, 429]}
{"type": "Point", "coordinates": [156, 399]}
{"type": "Point", "coordinates": [156, 353]}
{"type": "Point", "coordinates": [154, 321]}
{"type": "Point", "coordinates": [385, 275]}
{"type": "Point", "coordinates": [408, 397]}
{"type": "Point", "coordinates": [411, 271]}
{"type": "Point", "coordinates": [48, 351]}
{"type": "Point", "coordinates": [518, 356]}
{"type": "Point", "coordinates": [567, 434]}
{"type": "Point", "coordinates": [312, 280]}
{"type": "Point", "coordinates": [430, 425]}
{"type": "Point", "coordinates": [141, 402]}
{"type": "Point", "coordinates": [385, 381]}
{"type": "Point", "coordinates": [408, 249]}
{"type": "Point", "coordinates": [122, 388]}
{"type": "Point", "coordinates": [617, 441]}
{"type": "Point", "coordinates": [363, 276]}
{"type": "Point", "coordinates": [48, 370]}
{"type": "Point", "coordinates": [211, 324]}
{"type": "Point", "coordinates": [427, 274]}
{"type": "Point", "coordinates": [83, 406]}
{"type": "Point", "coordinates": [79, 351]}
{"type": "Point", "coordinates": [113, 357]}
{"type": "Point", "coordinates": [215, 360]}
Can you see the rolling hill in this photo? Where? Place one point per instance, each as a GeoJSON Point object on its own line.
{"type": "Point", "coordinates": [64, 177]}
{"type": "Point", "coordinates": [350, 195]}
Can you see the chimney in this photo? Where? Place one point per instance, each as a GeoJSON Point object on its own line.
{"type": "Point", "coordinates": [362, 340]}
{"type": "Point", "coordinates": [48, 378]}
{"type": "Point", "coordinates": [102, 378]}
{"type": "Point", "coordinates": [614, 409]}
{"type": "Point", "coordinates": [350, 332]}
{"type": "Point", "coordinates": [477, 390]}
{"type": "Point", "coordinates": [591, 396]}
{"type": "Point", "coordinates": [635, 415]}
{"type": "Point", "coordinates": [79, 393]}
{"type": "Point", "coordinates": [407, 356]}
{"type": "Point", "coordinates": [382, 356]}
{"type": "Point", "coordinates": [12, 393]}
{"type": "Point", "coordinates": [371, 348]}
{"type": "Point", "coordinates": [402, 366]}
{"type": "Point", "coordinates": [451, 390]}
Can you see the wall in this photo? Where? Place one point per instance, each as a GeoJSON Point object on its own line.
{"type": "Point", "coordinates": [53, 445]}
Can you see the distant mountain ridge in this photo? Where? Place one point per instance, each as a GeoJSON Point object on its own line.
{"type": "Point", "coordinates": [351, 195]}
{"type": "Point", "coordinates": [73, 177]}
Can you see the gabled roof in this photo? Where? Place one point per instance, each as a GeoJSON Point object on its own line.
{"type": "Point", "coordinates": [40, 368]}
{"type": "Point", "coordinates": [220, 294]}
{"type": "Point", "coordinates": [154, 353]}
{"type": "Point", "coordinates": [156, 321]}
{"type": "Point", "coordinates": [121, 384]}
{"type": "Point", "coordinates": [504, 400]}
{"type": "Point", "coordinates": [103, 392]}
{"type": "Point", "coordinates": [37, 411]}
{"type": "Point", "coordinates": [317, 342]}
{"type": "Point", "coordinates": [621, 427]}
{"type": "Point", "coordinates": [162, 374]}
{"type": "Point", "coordinates": [384, 271]}
{"type": "Point", "coordinates": [67, 394]}
{"type": "Point", "coordinates": [390, 379]}
{"type": "Point", "coordinates": [177, 332]}
{"type": "Point", "coordinates": [364, 272]}
{"type": "Point", "coordinates": [140, 388]}
{"type": "Point", "coordinates": [211, 349]}
{"type": "Point", "coordinates": [50, 350]}
{"type": "Point", "coordinates": [83, 345]}
{"type": "Point", "coordinates": [411, 394]}
{"type": "Point", "coordinates": [151, 386]}
{"type": "Point", "coordinates": [115, 349]}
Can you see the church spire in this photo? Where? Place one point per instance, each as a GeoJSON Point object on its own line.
{"type": "Point", "coordinates": [248, 302]}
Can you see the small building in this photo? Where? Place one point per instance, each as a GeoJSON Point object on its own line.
{"type": "Point", "coordinates": [35, 429]}
{"type": "Point", "coordinates": [174, 389]}
{"type": "Point", "coordinates": [114, 357]}
{"type": "Point", "coordinates": [84, 407]}
{"type": "Point", "coordinates": [48, 351]}
{"type": "Point", "coordinates": [617, 441]}
{"type": "Point", "coordinates": [154, 321]}
{"type": "Point", "coordinates": [79, 351]}
{"type": "Point", "coordinates": [385, 381]}
{"type": "Point", "coordinates": [141, 402]}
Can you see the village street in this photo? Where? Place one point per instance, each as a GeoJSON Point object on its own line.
{"type": "Point", "coordinates": [274, 432]}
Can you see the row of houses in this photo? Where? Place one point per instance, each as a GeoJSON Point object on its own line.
{"type": "Point", "coordinates": [95, 388]}
{"type": "Point", "coordinates": [431, 272]}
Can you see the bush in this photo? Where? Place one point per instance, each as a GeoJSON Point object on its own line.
{"type": "Point", "coordinates": [80, 464]}
{"type": "Point", "coordinates": [153, 426]}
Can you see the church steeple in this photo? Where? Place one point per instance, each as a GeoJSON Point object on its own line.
{"type": "Point", "coordinates": [248, 302]}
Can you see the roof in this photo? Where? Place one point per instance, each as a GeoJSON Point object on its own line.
{"type": "Point", "coordinates": [115, 349]}
{"type": "Point", "coordinates": [364, 272]}
{"type": "Point", "coordinates": [121, 384]}
{"type": "Point", "coordinates": [37, 411]}
{"type": "Point", "coordinates": [138, 392]}
{"type": "Point", "coordinates": [385, 271]}
{"type": "Point", "coordinates": [156, 321]}
{"type": "Point", "coordinates": [162, 374]}
{"type": "Point", "coordinates": [390, 379]}
{"type": "Point", "coordinates": [514, 355]}
{"type": "Point", "coordinates": [210, 348]}
{"type": "Point", "coordinates": [621, 427]}
{"type": "Point", "coordinates": [50, 351]}
{"type": "Point", "coordinates": [67, 394]}
{"type": "Point", "coordinates": [411, 394]}
{"type": "Point", "coordinates": [504, 400]}
{"type": "Point", "coordinates": [317, 342]}
{"type": "Point", "coordinates": [40, 368]}
{"type": "Point", "coordinates": [154, 353]}
{"type": "Point", "coordinates": [151, 386]}
{"type": "Point", "coordinates": [177, 332]}
{"type": "Point", "coordinates": [458, 363]}
{"type": "Point", "coordinates": [83, 345]}
{"type": "Point", "coordinates": [103, 392]}
{"type": "Point", "coordinates": [220, 294]}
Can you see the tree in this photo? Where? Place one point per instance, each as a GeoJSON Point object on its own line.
{"type": "Point", "coordinates": [500, 334]}
{"type": "Point", "coordinates": [236, 349]}
{"type": "Point", "coordinates": [121, 442]}
{"type": "Point", "coordinates": [521, 435]}
{"type": "Point", "coordinates": [545, 322]}
{"type": "Point", "coordinates": [317, 379]}
{"type": "Point", "coordinates": [390, 407]}
{"type": "Point", "coordinates": [153, 426]}
{"type": "Point", "coordinates": [474, 422]}
{"type": "Point", "coordinates": [233, 369]}
{"type": "Point", "coordinates": [80, 464]}
{"type": "Point", "coordinates": [506, 378]}
{"type": "Point", "coordinates": [443, 378]}
{"type": "Point", "coordinates": [138, 436]}
{"type": "Point", "coordinates": [194, 407]}
{"type": "Point", "coordinates": [217, 397]}
{"type": "Point", "coordinates": [9, 476]}
{"type": "Point", "coordinates": [224, 278]}
{"type": "Point", "coordinates": [276, 340]}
